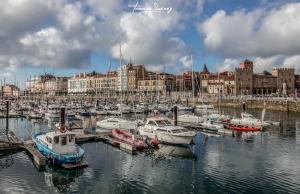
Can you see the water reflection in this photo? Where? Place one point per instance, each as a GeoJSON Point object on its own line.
{"type": "Point", "coordinates": [184, 152]}
{"type": "Point", "coordinates": [6, 160]}
{"type": "Point", "coordinates": [269, 164]}
{"type": "Point", "coordinates": [61, 179]}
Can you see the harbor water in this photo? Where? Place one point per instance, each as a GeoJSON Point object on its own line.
{"type": "Point", "coordinates": [269, 164]}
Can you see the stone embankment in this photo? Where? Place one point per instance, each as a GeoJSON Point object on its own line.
{"type": "Point", "coordinates": [277, 105]}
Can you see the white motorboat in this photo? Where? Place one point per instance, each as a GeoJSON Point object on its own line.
{"type": "Point", "coordinates": [117, 123]}
{"type": "Point", "coordinates": [189, 118]}
{"type": "Point", "coordinates": [124, 108]}
{"type": "Point", "coordinates": [205, 106]}
{"type": "Point", "coordinates": [209, 125]}
{"type": "Point", "coordinates": [99, 111]}
{"type": "Point", "coordinates": [249, 120]}
{"type": "Point", "coordinates": [34, 115]}
{"type": "Point", "coordinates": [163, 129]}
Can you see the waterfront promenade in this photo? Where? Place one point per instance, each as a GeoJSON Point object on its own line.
{"type": "Point", "coordinates": [288, 104]}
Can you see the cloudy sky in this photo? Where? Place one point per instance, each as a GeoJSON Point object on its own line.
{"type": "Point", "coordinates": [68, 36]}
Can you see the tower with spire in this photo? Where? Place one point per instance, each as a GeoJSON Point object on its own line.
{"type": "Point", "coordinates": [204, 76]}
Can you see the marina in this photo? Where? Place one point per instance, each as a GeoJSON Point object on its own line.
{"type": "Point", "coordinates": [214, 155]}
{"type": "Point", "coordinates": [149, 97]}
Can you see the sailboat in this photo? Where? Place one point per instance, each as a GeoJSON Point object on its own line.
{"type": "Point", "coordinates": [191, 118]}
{"type": "Point", "coordinates": [59, 146]}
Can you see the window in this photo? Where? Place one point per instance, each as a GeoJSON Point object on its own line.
{"type": "Point", "coordinates": [49, 140]}
{"type": "Point", "coordinates": [71, 137]}
{"type": "Point", "coordinates": [56, 140]}
{"type": "Point", "coordinates": [151, 123]}
{"type": "Point", "coordinates": [63, 140]}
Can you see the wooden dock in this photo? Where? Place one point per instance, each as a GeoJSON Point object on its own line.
{"type": "Point", "coordinates": [40, 161]}
{"type": "Point", "coordinates": [38, 158]}
{"type": "Point", "coordinates": [128, 148]}
{"type": "Point", "coordinates": [6, 146]}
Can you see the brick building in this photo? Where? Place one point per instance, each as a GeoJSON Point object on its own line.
{"type": "Point", "coordinates": [244, 78]}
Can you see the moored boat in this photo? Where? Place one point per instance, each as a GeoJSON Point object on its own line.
{"type": "Point", "coordinates": [127, 137]}
{"type": "Point", "coordinates": [243, 128]}
{"type": "Point", "coordinates": [162, 129]}
{"type": "Point", "coordinates": [59, 147]}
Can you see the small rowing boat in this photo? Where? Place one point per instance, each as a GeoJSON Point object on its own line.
{"type": "Point", "coordinates": [127, 137]}
{"type": "Point", "coordinates": [243, 128]}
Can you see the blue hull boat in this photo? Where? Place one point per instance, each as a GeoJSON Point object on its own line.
{"type": "Point", "coordinates": [46, 142]}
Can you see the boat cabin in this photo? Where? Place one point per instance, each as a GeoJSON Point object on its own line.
{"type": "Point", "coordinates": [62, 143]}
{"type": "Point", "coordinates": [172, 129]}
{"type": "Point", "coordinates": [247, 116]}
{"type": "Point", "coordinates": [158, 121]}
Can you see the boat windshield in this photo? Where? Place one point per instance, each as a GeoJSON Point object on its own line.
{"type": "Point", "coordinates": [175, 131]}
{"type": "Point", "coordinates": [163, 122]}
{"type": "Point", "coordinates": [248, 116]}
{"type": "Point", "coordinates": [71, 117]}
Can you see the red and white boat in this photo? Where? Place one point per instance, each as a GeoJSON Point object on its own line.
{"type": "Point", "coordinates": [127, 137]}
{"type": "Point", "coordinates": [243, 128]}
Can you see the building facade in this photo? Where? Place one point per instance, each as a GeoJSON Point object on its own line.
{"type": "Point", "coordinates": [123, 79]}
{"type": "Point", "coordinates": [285, 80]}
{"type": "Point", "coordinates": [264, 84]}
{"type": "Point", "coordinates": [10, 90]}
{"type": "Point", "coordinates": [244, 78]}
{"type": "Point", "coordinates": [105, 83]}
{"type": "Point", "coordinates": [221, 83]}
{"type": "Point", "coordinates": [78, 84]}
{"type": "Point", "coordinates": [204, 76]}
{"type": "Point", "coordinates": [36, 84]}
{"type": "Point", "coordinates": [57, 86]}
{"type": "Point", "coordinates": [135, 73]}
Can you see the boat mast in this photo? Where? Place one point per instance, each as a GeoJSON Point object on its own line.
{"type": "Point", "coordinates": [193, 85]}
{"type": "Point", "coordinates": [121, 83]}
{"type": "Point", "coordinates": [219, 89]}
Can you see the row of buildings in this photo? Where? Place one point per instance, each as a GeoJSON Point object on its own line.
{"type": "Point", "coordinates": [243, 81]}
{"type": "Point", "coordinates": [137, 79]}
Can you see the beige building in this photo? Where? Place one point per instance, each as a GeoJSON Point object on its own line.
{"type": "Point", "coordinates": [10, 90]}
{"type": "Point", "coordinates": [222, 83]}
{"type": "Point", "coordinates": [151, 85]}
{"type": "Point", "coordinates": [81, 83]}
{"type": "Point", "coordinates": [56, 86]}
{"type": "Point", "coordinates": [104, 83]}
{"type": "Point", "coordinates": [37, 84]}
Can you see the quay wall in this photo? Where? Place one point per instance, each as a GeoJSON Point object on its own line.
{"type": "Point", "coordinates": [270, 104]}
{"type": "Point", "coordinates": [287, 106]}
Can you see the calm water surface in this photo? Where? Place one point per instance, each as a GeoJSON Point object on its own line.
{"type": "Point", "coordinates": [270, 164]}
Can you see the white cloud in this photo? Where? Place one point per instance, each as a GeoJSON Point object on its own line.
{"type": "Point", "coordinates": [228, 65]}
{"type": "Point", "coordinates": [65, 33]}
{"type": "Point", "coordinates": [269, 36]}
{"type": "Point", "coordinates": [147, 37]}
{"type": "Point", "coordinates": [292, 62]}
{"type": "Point", "coordinates": [186, 61]}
